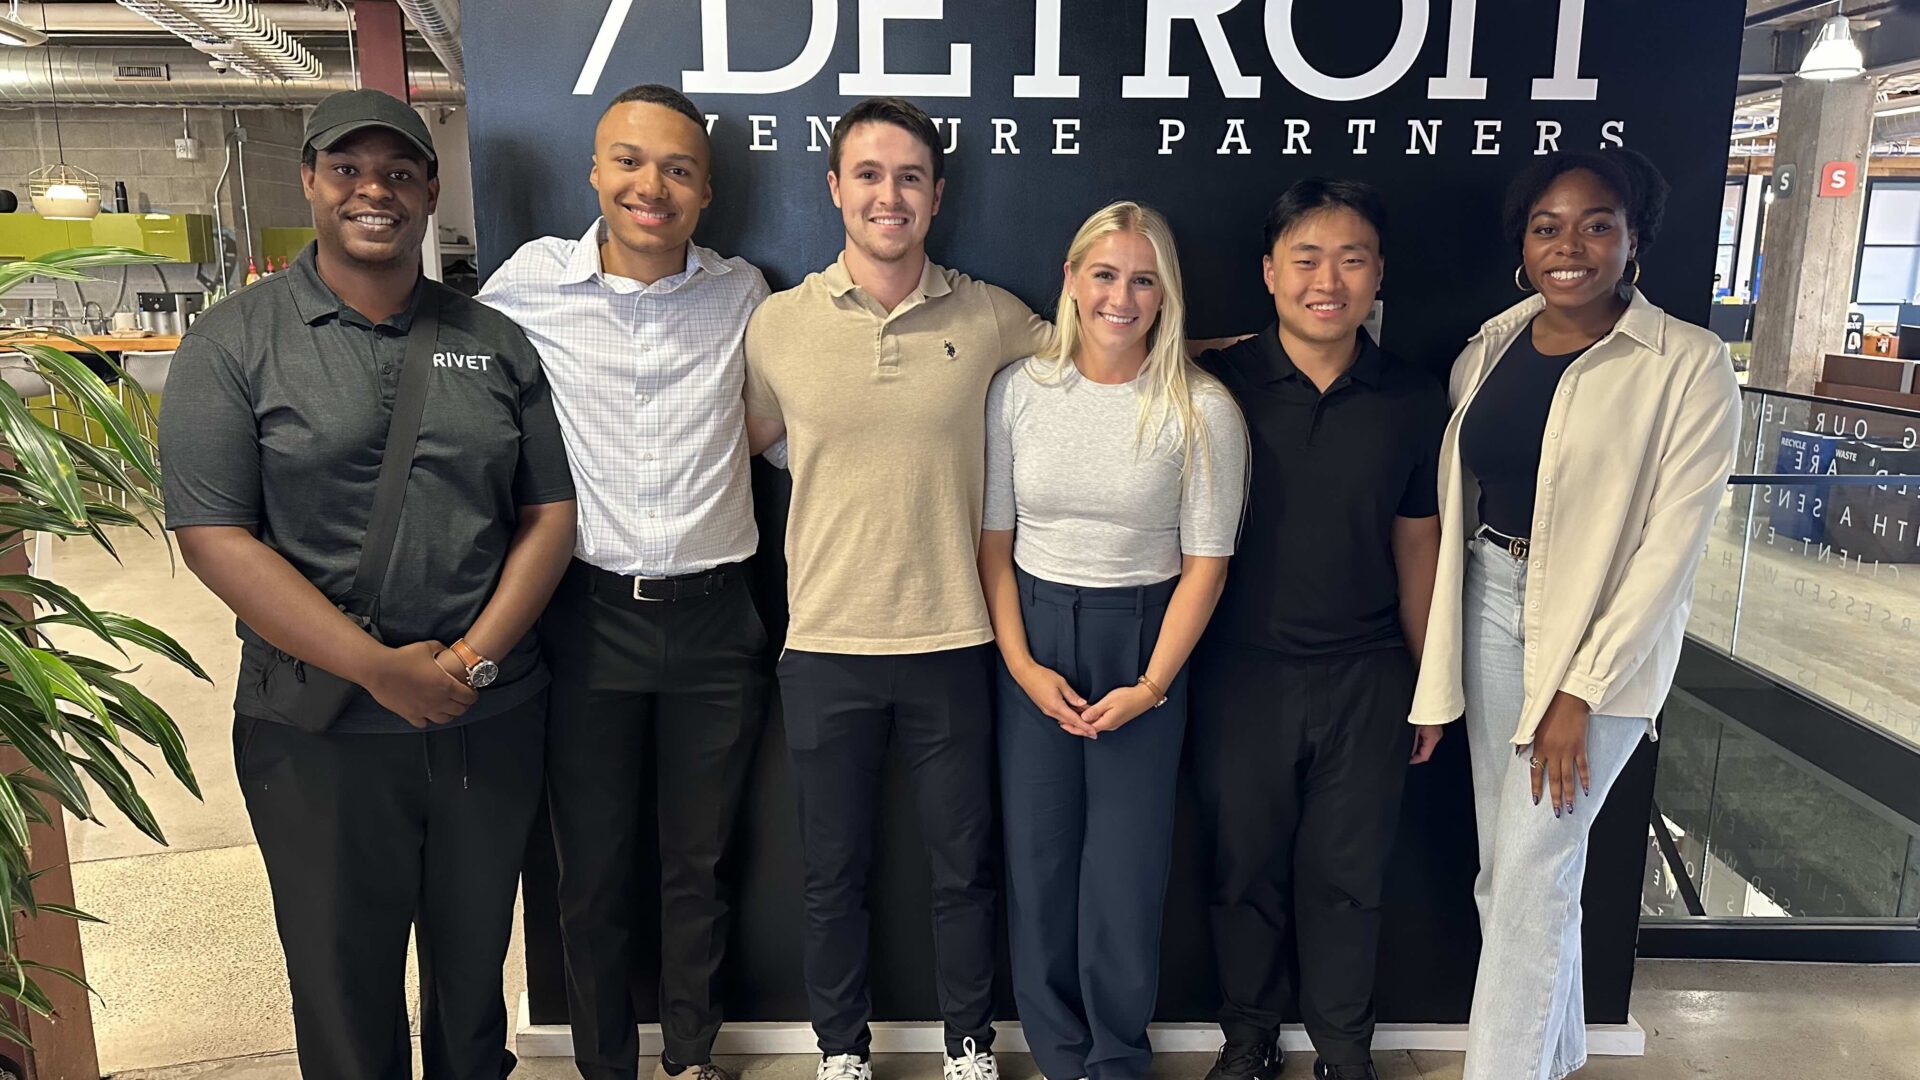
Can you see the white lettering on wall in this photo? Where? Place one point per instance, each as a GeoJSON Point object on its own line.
{"type": "Point", "coordinates": [1566, 84]}
{"type": "Point", "coordinates": [716, 74]}
{"type": "Point", "coordinates": [1486, 137]}
{"type": "Point", "coordinates": [1360, 128]}
{"type": "Point", "coordinates": [1003, 132]}
{"type": "Point", "coordinates": [1549, 138]}
{"type": "Point", "coordinates": [820, 133]}
{"type": "Point", "coordinates": [1157, 81]}
{"type": "Point", "coordinates": [1171, 131]}
{"type": "Point", "coordinates": [952, 124]}
{"type": "Point", "coordinates": [762, 127]}
{"type": "Point", "coordinates": [1297, 132]}
{"type": "Point", "coordinates": [1066, 135]}
{"type": "Point", "coordinates": [1236, 140]}
{"type": "Point", "coordinates": [1295, 68]}
{"type": "Point", "coordinates": [1046, 80]}
{"type": "Point", "coordinates": [1613, 133]}
{"type": "Point", "coordinates": [1423, 131]}
{"type": "Point", "coordinates": [874, 80]}
{"type": "Point", "coordinates": [1458, 84]}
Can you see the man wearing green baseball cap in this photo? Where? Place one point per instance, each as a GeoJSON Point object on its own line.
{"type": "Point", "coordinates": [405, 803]}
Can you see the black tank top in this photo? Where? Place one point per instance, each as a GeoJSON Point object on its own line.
{"type": "Point", "coordinates": [1500, 436]}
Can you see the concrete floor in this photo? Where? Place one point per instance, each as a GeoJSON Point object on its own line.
{"type": "Point", "coordinates": [1716, 1020]}
{"type": "Point", "coordinates": [189, 970]}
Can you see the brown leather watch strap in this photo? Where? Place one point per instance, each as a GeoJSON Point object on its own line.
{"type": "Point", "coordinates": [466, 654]}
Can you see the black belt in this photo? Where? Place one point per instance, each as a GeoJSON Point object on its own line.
{"type": "Point", "coordinates": [1516, 546]}
{"type": "Point", "coordinates": [664, 589]}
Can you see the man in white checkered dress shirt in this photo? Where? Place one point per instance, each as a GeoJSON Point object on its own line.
{"type": "Point", "coordinates": [640, 334]}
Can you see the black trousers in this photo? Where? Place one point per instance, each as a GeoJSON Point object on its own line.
{"type": "Point", "coordinates": [365, 836]}
{"type": "Point", "coordinates": [660, 696]}
{"type": "Point", "coordinates": [840, 712]}
{"type": "Point", "coordinates": [1300, 766]}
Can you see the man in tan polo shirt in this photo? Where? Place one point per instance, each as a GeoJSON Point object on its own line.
{"type": "Point", "coordinates": [876, 369]}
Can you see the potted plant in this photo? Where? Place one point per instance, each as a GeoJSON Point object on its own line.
{"type": "Point", "coordinates": [63, 714]}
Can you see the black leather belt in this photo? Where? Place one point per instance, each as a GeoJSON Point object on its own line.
{"type": "Point", "coordinates": [665, 589]}
{"type": "Point", "coordinates": [1516, 546]}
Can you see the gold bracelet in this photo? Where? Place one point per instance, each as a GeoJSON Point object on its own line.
{"type": "Point", "coordinates": [1155, 687]}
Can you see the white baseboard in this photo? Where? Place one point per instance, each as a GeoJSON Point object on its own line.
{"type": "Point", "coordinates": [924, 1037]}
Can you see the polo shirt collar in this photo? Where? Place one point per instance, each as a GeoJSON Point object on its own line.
{"type": "Point", "coordinates": [316, 301]}
{"type": "Point", "coordinates": [584, 264]}
{"type": "Point", "coordinates": [839, 281]}
{"type": "Point", "coordinates": [1644, 321]}
{"type": "Point", "coordinates": [1368, 368]}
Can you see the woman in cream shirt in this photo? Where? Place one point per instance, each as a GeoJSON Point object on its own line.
{"type": "Point", "coordinates": [1590, 445]}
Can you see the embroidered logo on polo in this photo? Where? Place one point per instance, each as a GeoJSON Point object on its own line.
{"type": "Point", "coordinates": [952, 353]}
{"type": "Point", "coordinates": [470, 361]}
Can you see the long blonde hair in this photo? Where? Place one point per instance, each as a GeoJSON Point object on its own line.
{"type": "Point", "coordinates": [1168, 380]}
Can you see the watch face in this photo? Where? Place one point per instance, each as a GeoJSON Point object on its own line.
{"type": "Point", "coordinates": [482, 674]}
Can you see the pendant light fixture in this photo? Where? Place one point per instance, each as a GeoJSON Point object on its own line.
{"type": "Point", "coordinates": [62, 191]}
{"type": "Point", "coordinates": [1834, 55]}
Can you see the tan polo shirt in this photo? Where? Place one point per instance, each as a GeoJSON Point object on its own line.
{"type": "Point", "coordinates": [886, 441]}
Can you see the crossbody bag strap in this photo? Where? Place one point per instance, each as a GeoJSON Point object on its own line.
{"type": "Point", "coordinates": [403, 435]}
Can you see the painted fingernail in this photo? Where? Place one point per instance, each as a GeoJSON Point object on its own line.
{"type": "Point", "coordinates": [1556, 811]}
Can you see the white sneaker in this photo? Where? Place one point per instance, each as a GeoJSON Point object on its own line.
{"type": "Point", "coordinates": [843, 1067]}
{"type": "Point", "coordinates": [975, 1064]}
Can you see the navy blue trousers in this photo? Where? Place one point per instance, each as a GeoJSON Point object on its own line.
{"type": "Point", "coordinates": [1089, 833]}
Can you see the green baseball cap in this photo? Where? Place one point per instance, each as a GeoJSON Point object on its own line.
{"type": "Point", "coordinates": [340, 115]}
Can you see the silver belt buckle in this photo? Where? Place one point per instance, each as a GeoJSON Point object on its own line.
{"type": "Point", "coordinates": [637, 582]}
{"type": "Point", "coordinates": [1517, 547]}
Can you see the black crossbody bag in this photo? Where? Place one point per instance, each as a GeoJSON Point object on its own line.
{"type": "Point", "coordinates": [291, 690]}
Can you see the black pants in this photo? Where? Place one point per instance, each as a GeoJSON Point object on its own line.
{"type": "Point", "coordinates": [365, 836]}
{"type": "Point", "coordinates": [840, 711]}
{"type": "Point", "coordinates": [662, 696]}
{"type": "Point", "coordinates": [1300, 766]}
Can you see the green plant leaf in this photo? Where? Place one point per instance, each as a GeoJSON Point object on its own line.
{"type": "Point", "coordinates": [67, 264]}
{"type": "Point", "coordinates": [70, 913]}
{"type": "Point", "coordinates": [41, 456]}
{"type": "Point", "coordinates": [137, 712]}
{"type": "Point", "coordinates": [79, 383]}
{"type": "Point", "coordinates": [43, 752]}
{"type": "Point", "coordinates": [23, 664]}
{"type": "Point", "coordinates": [61, 597]}
{"type": "Point", "coordinates": [60, 972]}
{"type": "Point", "coordinates": [128, 629]}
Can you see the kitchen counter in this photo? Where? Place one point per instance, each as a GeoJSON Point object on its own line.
{"type": "Point", "coordinates": [104, 342]}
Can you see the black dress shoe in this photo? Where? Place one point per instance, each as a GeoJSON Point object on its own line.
{"type": "Point", "coordinates": [1325, 1071]}
{"type": "Point", "coordinates": [1248, 1061]}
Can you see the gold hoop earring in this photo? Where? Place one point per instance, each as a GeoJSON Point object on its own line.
{"type": "Point", "coordinates": [1635, 279]}
{"type": "Point", "coordinates": [1520, 282]}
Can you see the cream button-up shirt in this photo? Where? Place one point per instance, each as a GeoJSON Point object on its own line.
{"type": "Point", "coordinates": [1640, 439]}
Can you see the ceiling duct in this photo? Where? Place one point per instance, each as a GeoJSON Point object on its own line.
{"type": "Point", "coordinates": [234, 34]}
{"type": "Point", "coordinates": [91, 76]}
{"type": "Point", "coordinates": [438, 21]}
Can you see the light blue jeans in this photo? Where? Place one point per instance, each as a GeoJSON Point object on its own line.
{"type": "Point", "coordinates": [1529, 1018]}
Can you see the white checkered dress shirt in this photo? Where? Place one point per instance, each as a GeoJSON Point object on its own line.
{"type": "Point", "coordinates": [647, 382]}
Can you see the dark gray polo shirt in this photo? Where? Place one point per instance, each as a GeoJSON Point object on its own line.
{"type": "Point", "coordinates": [276, 418]}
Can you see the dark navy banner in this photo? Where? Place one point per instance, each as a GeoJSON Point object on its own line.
{"type": "Point", "coordinates": [1202, 108]}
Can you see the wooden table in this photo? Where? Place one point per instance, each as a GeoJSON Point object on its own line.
{"type": "Point", "coordinates": [104, 342]}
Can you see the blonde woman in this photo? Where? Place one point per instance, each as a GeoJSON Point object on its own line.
{"type": "Point", "coordinates": [1115, 473]}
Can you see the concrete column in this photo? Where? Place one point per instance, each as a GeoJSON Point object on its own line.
{"type": "Point", "coordinates": [1811, 241]}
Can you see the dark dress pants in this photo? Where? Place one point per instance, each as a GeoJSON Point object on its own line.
{"type": "Point", "coordinates": [662, 696]}
{"type": "Point", "coordinates": [840, 712]}
{"type": "Point", "coordinates": [1300, 766]}
{"type": "Point", "coordinates": [365, 836]}
{"type": "Point", "coordinates": [1089, 833]}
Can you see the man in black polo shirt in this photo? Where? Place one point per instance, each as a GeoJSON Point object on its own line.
{"type": "Point", "coordinates": [1302, 686]}
{"type": "Point", "coordinates": [411, 810]}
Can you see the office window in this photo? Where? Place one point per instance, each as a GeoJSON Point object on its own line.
{"type": "Point", "coordinates": [1889, 266]}
{"type": "Point", "coordinates": [1731, 198]}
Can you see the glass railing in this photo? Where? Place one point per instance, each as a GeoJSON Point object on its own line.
{"type": "Point", "coordinates": [1812, 585]}
{"type": "Point", "coordinates": [1818, 583]}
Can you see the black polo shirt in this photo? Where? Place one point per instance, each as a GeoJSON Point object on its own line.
{"type": "Point", "coordinates": [276, 417]}
{"type": "Point", "coordinates": [1314, 575]}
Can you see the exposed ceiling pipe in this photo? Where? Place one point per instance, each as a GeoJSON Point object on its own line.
{"type": "Point", "coordinates": [438, 21]}
{"type": "Point", "coordinates": [93, 76]}
{"type": "Point", "coordinates": [234, 33]}
{"type": "Point", "coordinates": [110, 18]}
